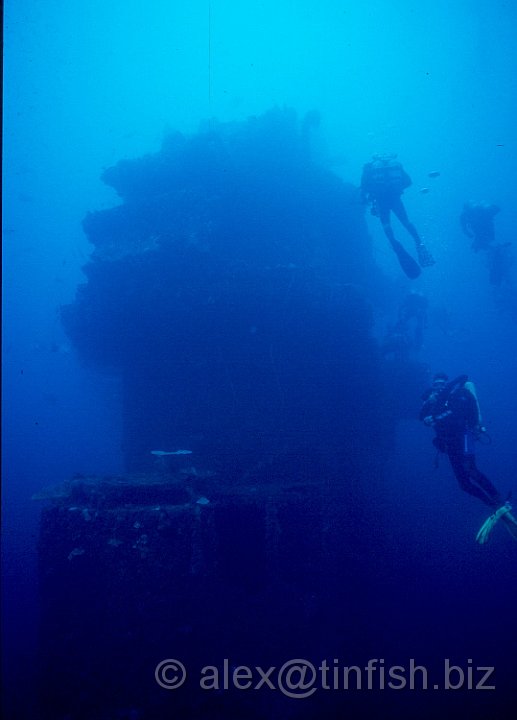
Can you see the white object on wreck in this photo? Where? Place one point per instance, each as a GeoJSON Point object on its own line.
{"type": "Point", "coordinates": [162, 453]}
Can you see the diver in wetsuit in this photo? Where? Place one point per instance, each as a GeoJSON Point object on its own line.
{"type": "Point", "coordinates": [382, 184]}
{"type": "Point", "coordinates": [452, 409]}
{"type": "Point", "coordinates": [407, 334]}
{"type": "Point", "coordinates": [413, 318]}
{"type": "Point", "coordinates": [477, 222]}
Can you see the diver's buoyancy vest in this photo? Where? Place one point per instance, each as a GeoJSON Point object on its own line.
{"type": "Point", "coordinates": [459, 396]}
{"type": "Point", "coordinates": [387, 175]}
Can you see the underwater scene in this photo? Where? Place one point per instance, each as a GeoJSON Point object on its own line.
{"type": "Point", "coordinates": [259, 448]}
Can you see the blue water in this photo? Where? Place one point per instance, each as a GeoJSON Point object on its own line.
{"type": "Point", "coordinates": [88, 85]}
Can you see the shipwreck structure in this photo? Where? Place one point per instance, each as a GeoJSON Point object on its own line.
{"type": "Point", "coordinates": [232, 292]}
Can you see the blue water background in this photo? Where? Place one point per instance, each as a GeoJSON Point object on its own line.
{"type": "Point", "coordinates": [88, 84]}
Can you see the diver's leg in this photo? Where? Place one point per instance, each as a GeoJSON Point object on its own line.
{"type": "Point", "coordinates": [482, 481]}
{"type": "Point", "coordinates": [408, 265]}
{"type": "Point", "coordinates": [460, 467]}
{"type": "Point", "coordinates": [424, 256]}
{"type": "Point", "coordinates": [400, 211]}
{"type": "Point", "coordinates": [384, 216]}
{"type": "Point", "coordinates": [406, 262]}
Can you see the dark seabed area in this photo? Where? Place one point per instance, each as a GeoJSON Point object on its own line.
{"type": "Point", "coordinates": [218, 498]}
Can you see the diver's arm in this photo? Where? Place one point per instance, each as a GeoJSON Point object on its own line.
{"type": "Point", "coordinates": [426, 412]}
{"type": "Point", "coordinates": [439, 419]}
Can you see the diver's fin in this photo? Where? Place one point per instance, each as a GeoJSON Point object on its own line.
{"type": "Point", "coordinates": [407, 263]}
{"type": "Point", "coordinates": [486, 529]}
{"type": "Point", "coordinates": [489, 524]}
{"type": "Point", "coordinates": [424, 256]}
{"type": "Point", "coordinates": [510, 523]}
{"type": "Point", "coordinates": [512, 529]}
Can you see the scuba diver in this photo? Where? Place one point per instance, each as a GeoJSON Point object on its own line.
{"type": "Point", "coordinates": [407, 335]}
{"type": "Point", "coordinates": [382, 184]}
{"type": "Point", "coordinates": [477, 222]}
{"type": "Point", "coordinates": [413, 318]}
{"type": "Point", "coordinates": [396, 344]}
{"type": "Point", "coordinates": [452, 409]}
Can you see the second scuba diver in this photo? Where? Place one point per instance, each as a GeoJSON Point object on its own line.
{"type": "Point", "coordinates": [452, 409]}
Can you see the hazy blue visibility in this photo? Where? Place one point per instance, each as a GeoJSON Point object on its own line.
{"type": "Point", "coordinates": [87, 84]}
